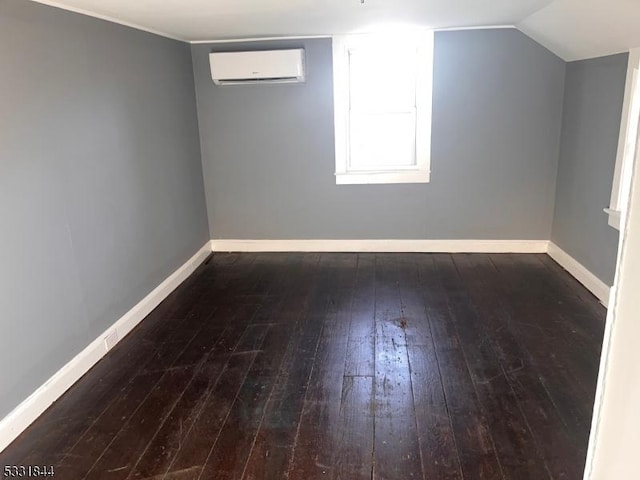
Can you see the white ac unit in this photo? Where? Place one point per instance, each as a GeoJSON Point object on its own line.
{"type": "Point", "coordinates": [268, 66]}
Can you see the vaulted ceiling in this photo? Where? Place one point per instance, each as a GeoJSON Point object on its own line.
{"type": "Point", "coordinates": [573, 29]}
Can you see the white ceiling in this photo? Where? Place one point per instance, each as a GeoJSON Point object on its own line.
{"type": "Point", "coordinates": [573, 29]}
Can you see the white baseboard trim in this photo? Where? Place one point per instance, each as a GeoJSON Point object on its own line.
{"type": "Point", "coordinates": [581, 273]}
{"type": "Point", "coordinates": [30, 409]}
{"type": "Point", "coordinates": [427, 246]}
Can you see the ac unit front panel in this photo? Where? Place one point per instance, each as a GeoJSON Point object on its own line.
{"type": "Point", "coordinates": [269, 64]}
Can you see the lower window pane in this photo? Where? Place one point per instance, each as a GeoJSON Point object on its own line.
{"type": "Point", "coordinates": [382, 141]}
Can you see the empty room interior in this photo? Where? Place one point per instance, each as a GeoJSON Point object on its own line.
{"type": "Point", "coordinates": [348, 239]}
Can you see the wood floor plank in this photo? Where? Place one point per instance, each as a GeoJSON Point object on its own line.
{"type": "Point", "coordinates": [353, 456]}
{"type": "Point", "coordinates": [317, 435]}
{"type": "Point", "coordinates": [122, 452]}
{"type": "Point", "coordinates": [272, 450]}
{"type": "Point", "coordinates": [275, 440]}
{"type": "Point", "coordinates": [195, 447]}
{"type": "Point", "coordinates": [156, 458]}
{"type": "Point", "coordinates": [228, 456]}
{"type": "Point", "coordinates": [90, 446]}
{"type": "Point", "coordinates": [437, 443]}
{"type": "Point", "coordinates": [147, 422]}
{"type": "Point", "coordinates": [540, 382]}
{"type": "Point", "coordinates": [516, 446]}
{"type": "Point", "coordinates": [476, 449]}
{"type": "Point", "coordinates": [522, 369]}
{"type": "Point", "coordinates": [569, 323]}
{"type": "Point", "coordinates": [360, 351]}
{"type": "Point", "coordinates": [533, 328]}
{"type": "Point", "coordinates": [396, 445]}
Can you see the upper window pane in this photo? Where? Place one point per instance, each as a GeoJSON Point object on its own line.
{"type": "Point", "coordinates": [382, 80]}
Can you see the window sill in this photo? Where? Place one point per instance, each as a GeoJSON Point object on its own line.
{"type": "Point", "coordinates": [614, 217]}
{"type": "Point", "coordinates": [381, 177]}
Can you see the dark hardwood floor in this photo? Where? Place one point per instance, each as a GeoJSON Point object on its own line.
{"type": "Point", "coordinates": [340, 366]}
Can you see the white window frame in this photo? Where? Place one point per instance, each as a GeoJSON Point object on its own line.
{"type": "Point", "coordinates": [627, 140]}
{"type": "Point", "coordinates": [420, 173]}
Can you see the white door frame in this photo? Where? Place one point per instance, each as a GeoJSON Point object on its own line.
{"type": "Point", "coordinates": [614, 444]}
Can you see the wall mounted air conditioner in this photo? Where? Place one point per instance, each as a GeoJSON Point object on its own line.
{"type": "Point", "coordinates": [269, 66]}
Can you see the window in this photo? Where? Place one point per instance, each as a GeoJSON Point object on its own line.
{"type": "Point", "coordinates": [382, 100]}
{"type": "Point", "coordinates": [627, 141]}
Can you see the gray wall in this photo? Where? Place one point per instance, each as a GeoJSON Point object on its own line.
{"type": "Point", "coordinates": [101, 193]}
{"type": "Point", "coordinates": [268, 150]}
{"type": "Point", "coordinates": [593, 98]}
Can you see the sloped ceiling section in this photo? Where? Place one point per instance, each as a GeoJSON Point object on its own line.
{"type": "Point", "coordinates": [573, 29]}
{"type": "Point", "coordinates": [578, 29]}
